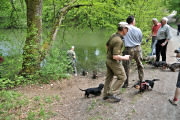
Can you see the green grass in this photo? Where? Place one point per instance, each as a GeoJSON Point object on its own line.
{"type": "Point", "coordinates": [14, 105]}
{"type": "Point", "coordinates": [92, 106]}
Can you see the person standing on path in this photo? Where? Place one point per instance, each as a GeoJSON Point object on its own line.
{"type": "Point", "coordinates": [71, 56]}
{"type": "Point", "coordinates": [155, 29]}
{"type": "Point", "coordinates": [173, 101]}
{"type": "Point", "coordinates": [1, 60]}
{"type": "Point", "coordinates": [113, 62]}
{"type": "Point", "coordinates": [178, 29]}
{"type": "Point", "coordinates": [163, 36]}
{"type": "Point", "coordinates": [132, 45]}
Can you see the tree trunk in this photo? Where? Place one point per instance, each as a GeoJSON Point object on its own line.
{"type": "Point", "coordinates": [31, 55]}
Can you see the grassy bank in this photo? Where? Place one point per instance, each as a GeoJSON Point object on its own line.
{"type": "Point", "coordinates": [14, 105]}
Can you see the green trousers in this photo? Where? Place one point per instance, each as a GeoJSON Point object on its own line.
{"type": "Point", "coordinates": [117, 69]}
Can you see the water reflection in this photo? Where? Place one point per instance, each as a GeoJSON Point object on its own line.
{"type": "Point", "coordinates": [89, 47]}
{"type": "Point", "coordinates": [97, 52]}
{"type": "Point", "coordinates": [92, 59]}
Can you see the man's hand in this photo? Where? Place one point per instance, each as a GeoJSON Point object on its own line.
{"type": "Point", "coordinates": [126, 57]}
{"type": "Point", "coordinates": [163, 44]}
{"type": "Point", "coordinates": [119, 57]}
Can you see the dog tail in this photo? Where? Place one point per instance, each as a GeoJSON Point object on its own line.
{"type": "Point", "coordinates": [81, 89]}
{"type": "Point", "coordinates": [156, 80]}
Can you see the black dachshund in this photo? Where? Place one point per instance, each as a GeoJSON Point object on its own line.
{"type": "Point", "coordinates": [95, 91]}
{"type": "Point", "coordinates": [95, 75]}
{"type": "Point", "coordinates": [177, 51]}
{"type": "Point", "coordinates": [84, 73]}
{"type": "Point", "coordinates": [159, 64]}
{"type": "Point", "coordinates": [142, 86]}
{"type": "Point", "coordinates": [173, 66]}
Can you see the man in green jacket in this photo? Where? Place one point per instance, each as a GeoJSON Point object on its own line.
{"type": "Point", "coordinates": [114, 62]}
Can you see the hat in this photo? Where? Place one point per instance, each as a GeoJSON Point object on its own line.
{"type": "Point", "coordinates": [124, 24]}
{"type": "Point", "coordinates": [72, 46]}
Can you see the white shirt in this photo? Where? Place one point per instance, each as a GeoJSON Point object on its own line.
{"type": "Point", "coordinates": [133, 37]}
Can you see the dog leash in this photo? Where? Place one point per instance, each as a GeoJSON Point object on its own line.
{"type": "Point", "coordinates": [145, 83]}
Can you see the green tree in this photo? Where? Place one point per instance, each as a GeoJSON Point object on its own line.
{"type": "Point", "coordinates": [31, 53]}
{"type": "Point", "coordinates": [11, 14]}
{"type": "Point", "coordinates": [174, 5]}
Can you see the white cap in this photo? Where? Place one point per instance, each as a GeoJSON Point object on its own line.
{"type": "Point", "coordinates": [124, 24]}
{"type": "Point", "coordinates": [72, 46]}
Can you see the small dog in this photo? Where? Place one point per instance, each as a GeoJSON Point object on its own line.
{"type": "Point", "coordinates": [159, 64]}
{"type": "Point", "coordinates": [177, 51]}
{"type": "Point", "coordinates": [84, 73]}
{"type": "Point", "coordinates": [142, 86]}
{"type": "Point", "coordinates": [173, 66]}
{"type": "Point", "coordinates": [95, 75]}
{"type": "Point", "coordinates": [95, 91]}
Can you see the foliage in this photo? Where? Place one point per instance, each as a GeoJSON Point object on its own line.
{"type": "Point", "coordinates": [12, 14]}
{"type": "Point", "coordinates": [14, 105]}
{"type": "Point", "coordinates": [174, 5]}
{"type": "Point", "coordinates": [55, 65]}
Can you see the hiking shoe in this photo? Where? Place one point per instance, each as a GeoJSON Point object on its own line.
{"type": "Point", "coordinates": [110, 96]}
{"type": "Point", "coordinates": [173, 102]}
{"type": "Point", "coordinates": [125, 86]}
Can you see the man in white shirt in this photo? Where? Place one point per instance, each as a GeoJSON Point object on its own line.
{"type": "Point", "coordinates": [132, 46]}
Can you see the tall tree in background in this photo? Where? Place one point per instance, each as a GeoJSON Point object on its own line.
{"type": "Point", "coordinates": [31, 52]}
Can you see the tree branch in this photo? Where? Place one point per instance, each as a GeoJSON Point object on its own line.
{"type": "Point", "coordinates": [47, 45]}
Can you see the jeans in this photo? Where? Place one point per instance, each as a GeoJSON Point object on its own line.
{"type": "Point", "coordinates": [153, 46]}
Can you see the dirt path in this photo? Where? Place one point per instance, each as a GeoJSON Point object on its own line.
{"type": "Point", "coordinates": [149, 105]}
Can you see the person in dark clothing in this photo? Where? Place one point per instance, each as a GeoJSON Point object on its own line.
{"type": "Point", "coordinates": [163, 36]}
{"type": "Point", "coordinates": [1, 60]}
{"type": "Point", "coordinates": [178, 29]}
{"type": "Point", "coordinates": [174, 100]}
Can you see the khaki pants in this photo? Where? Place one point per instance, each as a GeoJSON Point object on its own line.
{"type": "Point", "coordinates": [113, 68]}
{"type": "Point", "coordinates": [136, 54]}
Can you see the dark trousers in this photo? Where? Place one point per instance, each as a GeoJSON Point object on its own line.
{"type": "Point", "coordinates": [161, 50]}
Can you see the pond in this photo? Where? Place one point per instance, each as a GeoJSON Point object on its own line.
{"type": "Point", "coordinates": [89, 45]}
{"type": "Point", "coordinates": [89, 48]}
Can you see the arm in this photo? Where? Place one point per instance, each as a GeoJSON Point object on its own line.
{"type": "Point", "coordinates": [140, 36]}
{"type": "Point", "coordinates": [168, 37]}
{"type": "Point", "coordinates": [74, 56]}
{"type": "Point", "coordinates": [150, 35]}
{"type": "Point", "coordinates": [119, 57]}
{"type": "Point", "coordinates": [107, 47]}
